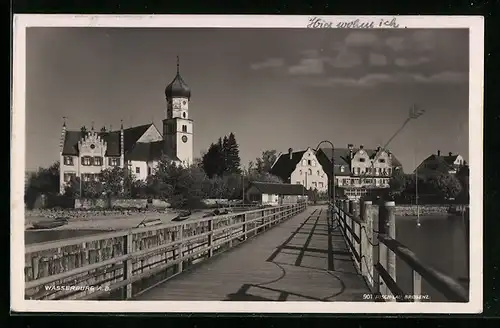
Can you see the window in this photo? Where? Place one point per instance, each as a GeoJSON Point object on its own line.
{"type": "Point", "coordinates": [361, 159]}
{"type": "Point", "coordinates": [97, 161]}
{"type": "Point", "coordinates": [149, 170]}
{"type": "Point", "coordinates": [358, 170]}
{"type": "Point", "coordinates": [389, 171]}
{"type": "Point", "coordinates": [183, 114]}
{"type": "Point", "coordinates": [314, 184]}
{"type": "Point", "coordinates": [69, 176]}
{"type": "Point", "coordinates": [304, 162]}
{"type": "Point", "coordinates": [317, 172]}
{"type": "Point", "coordinates": [86, 160]}
{"type": "Point", "coordinates": [300, 172]}
{"type": "Point", "coordinates": [68, 160]}
{"type": "Point", "coordinates": [184, 128]}
{"type": "Point", "coordinates": [297, 182]}
{"type": "Point", "coordinates": [342, 168]}
{"type": "Point", "coordinates": [313, 162]}
{"type": "Point", "coordinates": [320, 184]}
{"type": "Point", "coordinates": [381, 160]}
{"type": "Point", "coordinates": [308, 162]}
{"type": "Point", "coordinates": [114, 161]}
{"type": "Point", "coordinates": [137, 169]}
{"type": "Point", "coordinates": [86, 177]}
{"type": "Point", "coordinates": [310, 172]}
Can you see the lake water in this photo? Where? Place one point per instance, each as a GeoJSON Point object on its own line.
{"type": "Point", "coordinates": [438, 242]}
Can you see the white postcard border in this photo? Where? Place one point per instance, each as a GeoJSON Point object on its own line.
{"type": "Point", "coordinates": [476, 57]}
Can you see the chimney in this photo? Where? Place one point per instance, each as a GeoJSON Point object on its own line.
{"type": "Point", "coordinates": [290, 152]}
{"type": "Point", "coordinates": [389, 154]}
{"type": "Point", "coordinates": [439, 153]}
{"type": "Point", "coordinates": [361, 146]}
{"type": "Point", "coordinates": [378, 148]}
{"type": "Point", "coordinates": [450, 153]}
{"type": "Point", "coordinates": [350, 146]}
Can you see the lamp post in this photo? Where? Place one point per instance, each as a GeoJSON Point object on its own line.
{"type": "Point", "coordinates": [332, 181]}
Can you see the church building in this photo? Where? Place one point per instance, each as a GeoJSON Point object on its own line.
{"type": "Point", "coordinates": [85, 153]}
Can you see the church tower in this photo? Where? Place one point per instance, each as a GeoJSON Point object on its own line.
{"type": "Point", "coordinates": [177, 126]}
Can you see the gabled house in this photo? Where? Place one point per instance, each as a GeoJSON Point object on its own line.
{"type": "Point", "coordinates": [451, 163]}
{"type": "Point", "coordinates": [85, 153]}
{"type": "Point", "coordinates": [275, 193]}
{"type": "Point", "coordinates": [301, 167]}
{"type": "Point", "coordinates": [359, 170]}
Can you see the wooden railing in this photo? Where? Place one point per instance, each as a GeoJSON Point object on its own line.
{"type": "Point", "coordinates": [367, 229]}
{"type": "Point", "coordinates": [120, 265]}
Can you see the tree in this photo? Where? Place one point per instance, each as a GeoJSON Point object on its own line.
{"type": "Point", "coordinates": [231, 154]}
{"type": "Point", "coordinates": [114, 181]}
{"type": "Point", "coordinates": [44, 181]}
{"type": "Point", "coordinates": [212, 161]}
{"type": "Point", "coordinates": [463, 177]}
{"type": "Point", "coordinates": [182, 187]}
{"type": "Point", "coordinates": [398, 183]}
{"type": "Point", "coordinates": [443, 184]}
{"type": "Point", "coordinates": [265, 162]}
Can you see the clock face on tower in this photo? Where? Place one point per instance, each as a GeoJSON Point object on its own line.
{"type": "Point", "coordinates": [184, 139]}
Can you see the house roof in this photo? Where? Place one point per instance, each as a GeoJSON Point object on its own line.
{"type": "Point", "coordinates": [148, 151]}
{"type": "Point", "coordinates": [279, 188]}
{"type": "Point", "coordinates": [341, 158]}
{"type": "Point", "coordinates": [133, 150]}
{"type": "Point", "coordinates": [72, 138]}
{"type": "Point", "coordinates": [285, 165]}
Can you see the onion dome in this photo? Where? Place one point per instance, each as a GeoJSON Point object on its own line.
{"type": "Point", "coordinates": [177, 88]}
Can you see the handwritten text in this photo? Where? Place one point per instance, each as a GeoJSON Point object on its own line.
{"type": "Point", "coordinates": [316, 22]}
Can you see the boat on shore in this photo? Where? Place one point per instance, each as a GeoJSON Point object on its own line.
{"type": "Point", "coordinates": [183, 215]}
{"type": "Point", "coordinates": [49, 224]}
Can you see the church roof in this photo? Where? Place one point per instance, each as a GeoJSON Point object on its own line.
{"type": "Point", "coordinates": [133, 150]}
{"type": "Point", "coordinates": [177, 88]}
{"type": "Point", "coordinates": [148, 151]}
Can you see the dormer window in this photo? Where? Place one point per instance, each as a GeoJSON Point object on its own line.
{"type": "Point", "coordinates": [309, 162]}
{"type": "Point", "coordinates": [362, 159]}
{"type": "Point", "coordinates": [342, 169]}
{"type": "Point", "coordinates": [304, 162]}
{"type": "Point", "coordinates": [382, 160]}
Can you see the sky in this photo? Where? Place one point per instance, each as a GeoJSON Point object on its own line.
{"type": "Point", "coordinates": [273, 88]}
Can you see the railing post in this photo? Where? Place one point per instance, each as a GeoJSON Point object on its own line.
{"type": "Point", "coordinates": [387, 226]}
{"type": "Point", "coordinates": [127, 265]}
{"type": "Point", "coordinates": [244, 227]}
{"type": "Point", "coordinates": [180, 248]}
{"type": "Point", "coordinates": [210, 237]}
{"type": "Point", "coordinates": [371, 213]}
{"type": "Point", "coordinates": [351, 206]}
{"type": "Point", "coordinates": [417, 286]}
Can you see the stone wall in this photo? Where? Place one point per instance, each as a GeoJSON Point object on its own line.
{"type": "Point", "coordinates": [119, 203]}
{"type": "Point", "coordinates": [411, 210]}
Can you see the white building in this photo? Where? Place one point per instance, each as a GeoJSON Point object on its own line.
{"type": "Point", "coordinates": [86, 153]}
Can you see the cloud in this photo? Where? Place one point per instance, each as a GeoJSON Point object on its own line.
{"type": "Point", "coordinates": [408, 62]}
{"type": "Point", "coordinates": [377, 59]}
{"type": "Point", "coordinates": [345, 59]}
{"type": "Point", "coordinates": [420, 40]}
{"type": "Point", "coordinates": [396, 43]}
{"type": "Point", "coordinates": [268, 63]}
{"type": "Point", "coordinates": [371, 80]}
{"type": "Point", "coordinates": [424, 40]}
{"type": "Point", "coordinates": [308, 66]}
{"type": "Point", "coordinates": [361, 39]}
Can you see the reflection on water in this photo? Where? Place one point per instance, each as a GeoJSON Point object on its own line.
{"type": "Point", "coordinates": [439, 242]}
{"type": "Point", "coordinates": [33, 237]}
